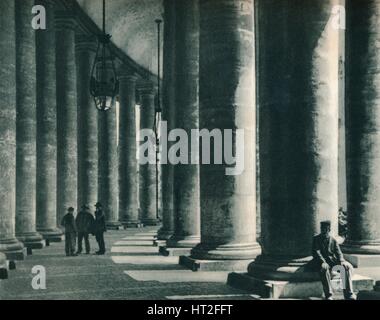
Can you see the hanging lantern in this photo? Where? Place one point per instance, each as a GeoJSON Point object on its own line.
{"type": "Point", "coordinates": [104, 85]}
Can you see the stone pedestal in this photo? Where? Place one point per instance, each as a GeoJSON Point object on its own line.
{"type": "Point", "coordinates": [168, 115]}
{"type": "Point", "coordinates": [128, 178]}
{"type": "Point", "coordinates": [9, 245]}
{"type": "Point", "coordinates": [227, 102]}
{"type": "Point", "coordinates": [67, 125]}
{"type": "Point", "coordinates": [46, 197]}
{"type": "Point", "coordinates": [298, 133]}
{"type": "Point", "coordinates": [169, 251]}
{"type": "Point", "coordinates": [108, 167]}
{"type": "Point", "coordinates": [363, 260]}
{"type": "Point", "coordinates": [87, 123]}
{"type": "Point", "coordinates": [363, 128]}
{"type": "Point", "coordinates": [186, 175]}
{"type": "Point", "coordinates": [148, 214]}
{"type": "Point", "coordinates": [272, 289]}
{"type": "Point", "coordinates": [26, 126]}
{"type": "Point", "coordinates": [3, 267]}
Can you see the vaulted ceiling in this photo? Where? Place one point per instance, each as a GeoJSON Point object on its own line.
{"type": "Point", "coordinates": [131, 23]}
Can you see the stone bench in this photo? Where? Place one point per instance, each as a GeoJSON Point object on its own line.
{"type": "Point", "coordinates": [289, 289]}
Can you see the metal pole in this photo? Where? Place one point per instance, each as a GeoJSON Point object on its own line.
{"type": "Point", "coordinates": [104, 17]}
{"type": "Point", "coordinates": [158, 110]}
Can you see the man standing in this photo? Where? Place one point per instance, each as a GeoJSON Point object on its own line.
{"type": "Point", "coordinates": [68, 222]}
{"type": "Point", "coordinates": [84, 222]}
{"type": "Point", "coordinates": [327, 255]}
{"type": "Point", "coordinates": [100, 228]}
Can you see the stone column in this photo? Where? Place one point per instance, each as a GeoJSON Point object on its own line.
{"type": "Point", "coordinates": [186, 175]}
{"type": "Point", "coordinates": [108, 167]}
{"type": "Point", "coordinates": [363, 127]}
{"type": "Point", "coordinates": [227, 102]}
{"type": "Point", "coordinates": [26, 128]}
{"type": "Point", "coordinates": [46, 201]}
{"type": "Point", "coordinates": [67, 153]}
{"type": "Point", "coordinates": [128, 179]}
{"type": "Point", "coordinates": [299, 108]}
{"type": "Point", "coordinates": [8, 242]}
{"type": "Point", "coordinates": [87, 123]}
{"type": "Point", "coordinates": [168, 115]}
{"type": "Point", "coordinates": [147, 171]}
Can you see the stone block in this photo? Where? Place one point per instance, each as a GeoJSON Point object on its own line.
{"type": "Point", "coordinates": [174, 252]}
{"type": "Point", "coordinates": [16, 254]}
{"type": "Point", "coordinates": [369, 295]}
{"type": "Point", "coordinates": [159, 243]}
{"type": "Point", "coordinates": [290, 290]}
{"type": "Point", "coordinates": [213, 265]}
{"type": "Point", "coordinates": [363, 260]}
{"type": "Point", "coordinates": [132, 225]}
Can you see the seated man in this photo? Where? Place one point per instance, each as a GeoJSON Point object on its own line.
{"type": "Point", "coordinates": [327, 254]}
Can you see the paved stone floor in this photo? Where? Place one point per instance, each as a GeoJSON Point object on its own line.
{"type": "Point", "coordinates": [131, 269]}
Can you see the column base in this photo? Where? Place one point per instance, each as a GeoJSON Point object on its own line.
{"type": "Point", "coordinates": [31, 240]}
{"type": "Point", "coordinates": [159, 243]}
{"type": "Point", "coordinates": [13, 249]}
{"type": "Point", "coordinates": [163, 234]}
{"type": "Point", "coordinates": [361, 247]}
{"type": "Point", "coordinates": [51, 235]}
{"type": "Point", "coordinates": [188, 242]}
{"type": "Point", "coordinates": [282, 268]}
{"type": "Point", "coordinates": [132, 224]}
{"type": "Point", "coordinates": [226, 252]}
{"type": "Point", "coordinates": [113, 225]}
{"type": "Point", "coordinates": [275, 289]}
{"type": "Point", "coordinates": [174, 252]}
{"type": "Point", "coordinates": [150, 222]}
{"type": "Point", "coordinates": [3, 267]}
{"type": "Point", "coordinates": [213, 265]}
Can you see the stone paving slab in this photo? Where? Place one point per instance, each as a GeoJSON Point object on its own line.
{"type": "Point", "coordinates": [134, 243]}
{"type": "Point", "coordinates": [134, 249]}
{"type": "Point", "coordinates": [177, 276]}
{"type": "Point", "coordinates": [138, 238]}
{"type": "Point", "coordinates": [150, 260]}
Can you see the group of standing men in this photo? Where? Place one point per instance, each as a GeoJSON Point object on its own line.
{"type": "Point", "coordinates": [81, 227]}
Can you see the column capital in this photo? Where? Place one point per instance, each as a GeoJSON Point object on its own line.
{"type": "Point", "coordinates": [84, 42]}
{"type": "Point", "coordinates": [125, 73]}
{"type": "Point", "coordinates": [65, 19]}
{"type": "Point", "coordinates": [145, 88]}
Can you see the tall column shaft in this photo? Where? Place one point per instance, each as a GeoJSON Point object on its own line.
{"type": "Point", "coordinates": [108, 167]}
{"type": "Point", "coordinates": [26, 127]}
{"type": "Point", "coordinates": [67, 157]}
{"type": "Point", "coordinates": [128, 178]}
{"type": "Point", "coordinates": [8, 242]}
{"type": "Point", "coordinates": [168, 115]}
{"type": "Point", "coordinates": [186, 176]}
{"type": "Point", "coordinates": [46, 197]}
{"type": "Point", "coordinates": [148, 214]}
{"type": "Point", "coordinates": [227, 102]}
{"type": "Point", "coordinates": [87, 123]}
{"type": "Point", "coordinates": [363, 127]}
{"type": "Point", "coordinates": [299, 110]}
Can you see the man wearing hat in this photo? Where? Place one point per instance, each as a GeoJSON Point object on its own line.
{"type": "Point", "coordinates": [327, 254]}
{"type": "Point", "coordinates": [85, 223]}
{"type": "Point", "coordinates": [68, 222]}
{"type": "Point", "coordinates": [100, 228]}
